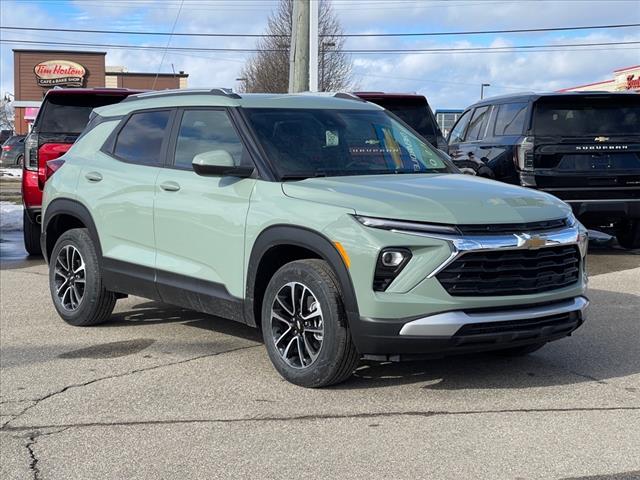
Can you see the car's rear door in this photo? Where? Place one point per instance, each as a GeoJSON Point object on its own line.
{"type": "Point", "coordinates": [200, 221]}
{"type": "Point", "coordinates": [468, 150]}
{"type": "Point", "coordinates": [118, 185]}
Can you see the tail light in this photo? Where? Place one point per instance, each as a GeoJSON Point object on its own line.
{"type": "Point", "coordinates": [6, 148]}
{"type": "Point", "coordinates": [31, 152]}
{"type": "Point", "coordinates": [53, 166]}
{"type": "Point", "coordinates": [523, 155]}
{"type": "Point", "coordinates": [47, 152]}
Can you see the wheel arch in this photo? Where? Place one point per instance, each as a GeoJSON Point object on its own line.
{"type": "Point", "coordinates": [294, 243]}
{"type": "Point", "coordinates": [64, 214]}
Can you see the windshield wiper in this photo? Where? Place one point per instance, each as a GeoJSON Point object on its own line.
{"type": "Point", "coordinates": [301, 176]}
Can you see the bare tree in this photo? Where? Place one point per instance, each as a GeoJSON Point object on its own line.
{"type": "Point", "coordinates": [268, 70]}
{"type": "Point", "coordinates": [6, 114]}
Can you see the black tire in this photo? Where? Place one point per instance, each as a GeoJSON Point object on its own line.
{"type": "Point", "coordinates": [628, 234]}
{"type": "Point", "coordinates": [31, 233]}
{"type": "Point", "coordinates": [337, 356]}
{"type": "Point", "coordinates": [96, 303]}
{"type": "Point", "coordinates": [19, 161]}
{"type": "Point", "coordinates": [519, 351]}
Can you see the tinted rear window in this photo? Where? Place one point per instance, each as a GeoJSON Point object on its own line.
{"type": "Point", "coordinates": [510, 119]}
{"type": "Point", "coordinates": [69, 113]}
{"type": "Point", "coordinates": [584, 116]}
{"type": "Point", "coordinates": [415, 112]}
{"type": "Point", "coordinates": [140, 140]}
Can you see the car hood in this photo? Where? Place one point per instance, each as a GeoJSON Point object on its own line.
{"type": "Point", "coordinates": [450, 198]}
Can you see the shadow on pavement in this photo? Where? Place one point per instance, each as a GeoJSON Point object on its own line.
{"type": "Point", "coordinates": [149, 313]}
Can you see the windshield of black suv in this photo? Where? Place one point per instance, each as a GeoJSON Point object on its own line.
{"type": "Point", "coordinates": [314, 142]}
{"type": "Point", "coordinates": [589, 115]}
{"type": "Point", "coordinates": [69, 113]}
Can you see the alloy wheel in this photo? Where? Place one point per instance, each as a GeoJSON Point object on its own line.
{"type": "Point", "coordinates": [297, 325]}
{"type": "Point", "coordinates": [69, 277]}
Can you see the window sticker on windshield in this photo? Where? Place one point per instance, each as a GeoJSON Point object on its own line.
{"type": "Point", "coordinates": [331, 138]}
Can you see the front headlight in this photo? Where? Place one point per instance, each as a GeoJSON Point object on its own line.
{"type": "Point", "coordinates": [405, 226]}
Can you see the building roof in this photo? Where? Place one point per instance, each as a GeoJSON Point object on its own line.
{"type": "Point", "coordinates": [632, 67]}
{"type": "Point", "coordinates": [71, 52]}
{"type": "Point", "coordinates": [219, 97]}
{"type": "Point", "coordinates": [603, 82]}
{"type": "Point", "coordinates": [145, 74]}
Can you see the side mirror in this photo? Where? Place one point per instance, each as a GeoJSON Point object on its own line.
{"type": "Point", "coordinates": [218, 163]}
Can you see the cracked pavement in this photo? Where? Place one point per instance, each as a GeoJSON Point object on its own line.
{"type": "Point", "coordinates": [163, 392]}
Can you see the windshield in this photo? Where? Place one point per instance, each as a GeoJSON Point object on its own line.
{"type": "Point", "coordinates": [314, 142]}
{"type": "Point", "coordinates": [69, 113]}
{"type": "Point", "coordinates": [584, 116]}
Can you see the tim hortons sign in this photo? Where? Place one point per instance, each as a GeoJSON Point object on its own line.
{"type": "Point", "coordinates": [60, 72]}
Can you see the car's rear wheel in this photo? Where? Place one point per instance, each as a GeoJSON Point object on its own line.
{"type": "Point", "coordinates": [519, 351]}
{"type": "Point", "coordinates": [19, 161]}
{"type": "Point", "coordinates": [628, 233]}
{"type": "Point", "coordinates": [31, 234]}
{"type": "Point", "coordinates": [75, 280]}
{"type": "Point", "coordinates": [304, 325]}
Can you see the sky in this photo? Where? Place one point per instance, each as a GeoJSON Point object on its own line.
{"type": "Point", "coordinates": [449, 79]}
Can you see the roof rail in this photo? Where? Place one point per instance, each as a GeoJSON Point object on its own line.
{"type": "Point", "coordinates": [349, 96]}
{"type": "Point", "coordinates": [226, 92]}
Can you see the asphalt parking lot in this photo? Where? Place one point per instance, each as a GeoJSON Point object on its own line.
{"type": "Point", "coordinates": [162, 392]}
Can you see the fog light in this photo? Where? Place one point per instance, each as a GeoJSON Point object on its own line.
{"type": "Point", "coordinates": [392, 258]}
{"type": "Point", "coordinates": [391, 261]}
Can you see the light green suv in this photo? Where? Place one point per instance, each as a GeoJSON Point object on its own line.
{"type": "Point", "coordinates": [323, 220]}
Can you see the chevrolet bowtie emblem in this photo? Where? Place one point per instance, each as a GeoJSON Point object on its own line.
{"type": "Point", "coordinates": [530, 241]}
{"type": "Point", "coordinates": [601, 139]}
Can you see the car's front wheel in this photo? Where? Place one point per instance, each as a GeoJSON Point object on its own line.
{"type": "Point", "coordinates": [75, 280]}
{"type": "Point", "coordinates": [304, 325]}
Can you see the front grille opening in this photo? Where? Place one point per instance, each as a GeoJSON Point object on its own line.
{"type": "Point", "coordinates": [492, 229]}
{"type": "Point", "coordinates": [489, 333]}
{"type": "Point", "coordinates": [511, 272]}
{"type": "Point", "coordinates": [563, 321]}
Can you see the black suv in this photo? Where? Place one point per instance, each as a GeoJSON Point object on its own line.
{"type": "Point", "coordinates": [581, 147]}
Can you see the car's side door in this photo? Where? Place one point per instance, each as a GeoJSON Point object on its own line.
{"type": "Point", "coordinates": [117, 184]}
{"type": "Point", "coordinates": [200, 220]}
{"type": "Point", "coordinates": [501, 138]}
{"type": "Point", "coordinates": [469, 151]}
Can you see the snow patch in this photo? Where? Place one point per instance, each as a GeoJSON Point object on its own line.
{"type": "Point", "coordinates": [10, 217]}
{"type": "Point", "coordinates": [11, 172]}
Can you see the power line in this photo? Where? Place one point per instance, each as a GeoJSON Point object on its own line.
{"type": "Point", "coordinates": [346, 35]}
{"type": "Point", "coordinates": [503, 49]}
{"type": "Point", "coordinates": [164, 53]}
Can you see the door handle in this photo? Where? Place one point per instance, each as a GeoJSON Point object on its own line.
{"type": "Point", "coordinates": [170, 186]}
{"type": "Point", "coordinates": [93, 176]}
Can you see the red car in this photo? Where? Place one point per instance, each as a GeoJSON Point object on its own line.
{"type": "Point", "coordinates": [62, 117]}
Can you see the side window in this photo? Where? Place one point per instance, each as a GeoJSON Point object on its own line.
{"type": "Point", "coordinates": [458, 129]}
{"type": "Point", "coordinates": [477, 124]}
{"type": "Point", "coordinates": [140, 140]}
{"type": "Point", "coordinates": [205, 130]}
{"type": "Point", "coordinates": [510, 119]}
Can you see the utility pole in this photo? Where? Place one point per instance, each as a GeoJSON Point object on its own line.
{"type": "Point", "coordinates": [299, 54]}
{"type": "Point", "coordinates": [482, 89]}
{"type": "Point", "coordinates": [314, 17]}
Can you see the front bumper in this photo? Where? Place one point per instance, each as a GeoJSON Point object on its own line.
{"type": "Point", "coordinates": [465, 331]}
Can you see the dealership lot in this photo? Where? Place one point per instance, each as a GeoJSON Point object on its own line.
{"type": "Point", "coordinates": [166, 392]}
